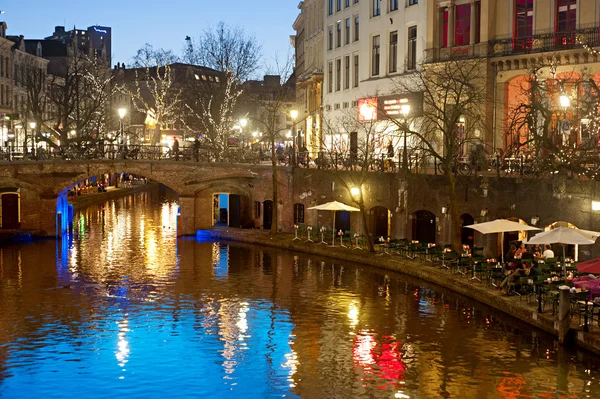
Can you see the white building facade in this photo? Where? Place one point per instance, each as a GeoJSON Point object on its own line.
{"type": "Point", "coordinates": [368, 45]}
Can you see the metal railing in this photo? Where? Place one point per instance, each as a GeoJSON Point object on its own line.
{"type": "Point", "coordinates": [552, 41]}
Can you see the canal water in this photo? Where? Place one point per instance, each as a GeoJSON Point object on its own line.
{"type": "Point", "coordinates": [125, 308]}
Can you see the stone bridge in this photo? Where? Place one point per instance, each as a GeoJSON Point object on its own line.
{"type": "Point", "coordinates": [41, 188]}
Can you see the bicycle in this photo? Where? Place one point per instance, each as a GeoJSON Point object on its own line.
{"type": "Point", "coordinates": [458, 167]}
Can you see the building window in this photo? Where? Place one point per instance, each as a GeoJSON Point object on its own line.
{"type": "Point", "coordinates": [376, 7]}
{"type": "Point", "coordinates": [347, 31]}
{"type": "Point", "coordinates": [330, 39]}
{"type": "Point", "coordinates": [445, 27]}
{"type": "Point", "coordinates": [375, 56]}
{"type": "Point", "coordinates": [523, 24]}
{"type": "Point", "coordinates": [356, 26]}
{"type": "Point", "coordinates": [339, 34]}
{"type": "Point", "coordinates": [413, 2]}
{"type": "Point", "coordinates": [347, 72]}
{"type": "Point", "coordinates": [256, 209]}
{"type": "Point", "coordinates": [338, 76]}
{"type": "Point", "coordinates": [462, 33]}
{"type": "Point", "coordinates": [347, 3]}
{"type": "Point", "coordinates": [356, 70]}
{"type": "Point", "coordinates": [330, 7]}
{"type": "Point", "coordinates": [339, 5]}
{"type": "Point", "coordinates": [393, 52]}
{"type": "Point", "coordinates": [412, 49]}
{"type": "Point", "coordinates": [330, 77]}
{"type": "Point", "coordinates": [566, 15]}
{"type": "Point", "coordinates": [477, 27]}
{"type": "Point", "coordinates": [298, 213]}
{"type": "Point", "coordinates": [393, 5]}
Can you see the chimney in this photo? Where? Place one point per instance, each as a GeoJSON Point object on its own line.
{"type": "Point", "coordinates": [58, 30]}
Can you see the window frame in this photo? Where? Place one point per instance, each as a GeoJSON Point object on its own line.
{"type": "Point", "coordinates": [376, 55]}
{"type": "Point", "coordinates": [393, 52]}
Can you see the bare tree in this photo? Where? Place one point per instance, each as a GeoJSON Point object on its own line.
{"type": "Point", "coordinates": [32, 78]}
{"type": "Point", "coordinates": [153, 91]}
{"type": "Point", "coordinates": [226, 49]}
{"type": "Point", "coordinates": [79, 92]}
{"type": "Point", "coordinates": [211, 111]}
{"type": "Point", "coordinates": [355, 165]}
{"type": "Point", "coordinates": [268, 107]}
{"type": "Point", "coordinates": [553, 118]}
{"type": "Point", "coordinates": [147, 55]}
{"type": "Point", "coordinates": [452, 117]}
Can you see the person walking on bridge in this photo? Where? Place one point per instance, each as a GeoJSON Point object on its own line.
{"type": "Point", "coordinates": [176, 148]}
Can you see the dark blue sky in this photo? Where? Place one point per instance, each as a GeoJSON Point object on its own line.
{"type": "Point", "coordinates": [163, 23]}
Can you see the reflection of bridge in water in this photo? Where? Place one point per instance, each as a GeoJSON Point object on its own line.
{"type": "Point", "coordinates": [35, 192]}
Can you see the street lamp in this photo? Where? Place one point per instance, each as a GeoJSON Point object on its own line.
{"type": "Point", "coordinates": [405, 110]}
{"type": "Point", "coordinates": [243, 124]}
{"type": "Point", "coordinates": [564, 101]}
{"type": "Point", "coordinates": [122, 113]}
{"type": "Point", "coordinates": [564, 125]}
{"type": "Point", "coordinates": [294, 115]}
{"type": "Point", "coordinates": [355, 191]}
{"type": "Point", "coordinates": [32, 125]}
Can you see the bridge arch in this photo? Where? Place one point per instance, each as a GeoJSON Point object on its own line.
{"type": "Point", "coordinates": [41, 184]}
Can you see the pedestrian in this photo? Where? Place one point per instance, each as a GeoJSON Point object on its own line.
{"type": "Point", "coordinates": [196, 149]}
{"type": "Point", "coordinates": [176, 148]}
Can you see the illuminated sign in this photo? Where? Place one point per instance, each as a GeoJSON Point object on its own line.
{"type": "Point", "coordinates": [392, 107]}
{"type": "Point", "coordinates": [100, 30]}
{"type": "Point", "coordinates": [367, 109]}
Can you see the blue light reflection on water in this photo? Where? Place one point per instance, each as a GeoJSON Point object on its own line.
{"type": "Point", "coordinates": [125, 331]}
{"type": "Point", "coordinates": [125, 308]}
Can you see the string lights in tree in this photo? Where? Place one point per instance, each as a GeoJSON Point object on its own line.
{"type": "Point", "coordinates": [587, 47]}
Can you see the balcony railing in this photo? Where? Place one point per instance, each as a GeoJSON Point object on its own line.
{"type": "Point", "coordinates": [540, 43]}
{"type": "Point", "coordinates": [555, 41]}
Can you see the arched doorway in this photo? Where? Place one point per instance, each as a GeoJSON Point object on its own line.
{"type": "Point", "coordinates": [267, 214]}
{"type": "Point", "coordinates": [380, 221]}
{"type": "Point", "coordinates": [467, 235]}
{"type": "Point", "coordinates": [424, 227]}
{"type": "Point", "coordinates": [298, 213]}
{"type": "Point", "coordinates": [342, 220]}
{"type": "Point", "coordinates": [10, 211]}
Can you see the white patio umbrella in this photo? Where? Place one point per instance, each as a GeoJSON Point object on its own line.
{"type": "Point", "coordinates": [500, 226]}
{"type": "Point", "coordinates": [334, 206]}
{"type": "Point", "coordinates": [565, 236]}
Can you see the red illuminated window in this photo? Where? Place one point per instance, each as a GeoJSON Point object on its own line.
{"type": "Point", "coordinates": [566, 15]}
{"type": "Point", "coordinates": [463, 25]}
{"type": "Point", "coordinates": [445, 28]}
{"type": "Point", "coordinates": [523, 21]}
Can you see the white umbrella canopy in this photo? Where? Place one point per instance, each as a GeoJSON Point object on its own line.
{"type": "Point", "coordinates": [334, 206]}
{"type": "Point", "coordinates": [565, 236]}
{"type": "Point", "coordinates": [500, 226]}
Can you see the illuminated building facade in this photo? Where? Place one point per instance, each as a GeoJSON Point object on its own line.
{"type": "Point", "coordinates": [367, 45]}
{"type": "Point", "coordinates": [545, 43]}
{"type": "Point", "coordinates": [308, 45]}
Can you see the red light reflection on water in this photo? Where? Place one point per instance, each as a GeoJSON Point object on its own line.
{"type": "Point", "coordinates": [378, 360]}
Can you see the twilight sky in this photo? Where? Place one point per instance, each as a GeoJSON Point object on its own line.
{"type": "Point", "coordinates": [163, 23]}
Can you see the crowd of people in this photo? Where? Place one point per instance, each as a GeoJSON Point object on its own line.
{"type": "Point", "coordinates": [519, 262]}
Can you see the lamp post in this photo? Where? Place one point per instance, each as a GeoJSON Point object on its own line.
{"type": "Point", "coordinates": [404, 110]}
{"type": "Point", "coordinates": [122, 113]}
{"type": "Point", "coordinates": [565, 102]}
{"type": "Point", "coordinates": [32, 125]}
{"type": "Point", "coordinates": [294, 115]}
{"type": "Point", "coordinates": [243, 124]}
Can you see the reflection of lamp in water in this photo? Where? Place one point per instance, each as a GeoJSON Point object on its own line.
{"type": "Point", "coordinates": [353, 314]}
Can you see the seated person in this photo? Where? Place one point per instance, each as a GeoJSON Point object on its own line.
{"type": "Point", "coordinates": [534, 271]}
{"type": "Point", "coordinates": [537, 251]}
{"type": "Point", "coordinates": [548, 252]}
{"type": "Point", "coordinates": [520, 271]}
{"type": "Point", "coordinates": [510, 255]}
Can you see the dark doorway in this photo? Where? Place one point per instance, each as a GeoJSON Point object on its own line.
{"type": "Point", "coordinates": [342, 221]}
{"type": "Point", "coordinates": [467, 235]}
{"type": "Point", "coordinates": [10, 211]}
{"type": "Point", "coordinates": [235, 214]}
{"type": "Point", "coordinates": [298, 213]}
{"type": "Point", "coordinates": [379, 221]}
{"type": "Point", "coordinates": [267, 214]}
{"type": "Point", "coordinates": [424, 226]}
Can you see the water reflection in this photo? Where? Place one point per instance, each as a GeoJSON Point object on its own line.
{"type": "Point", "coordinates": [124, 306]}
